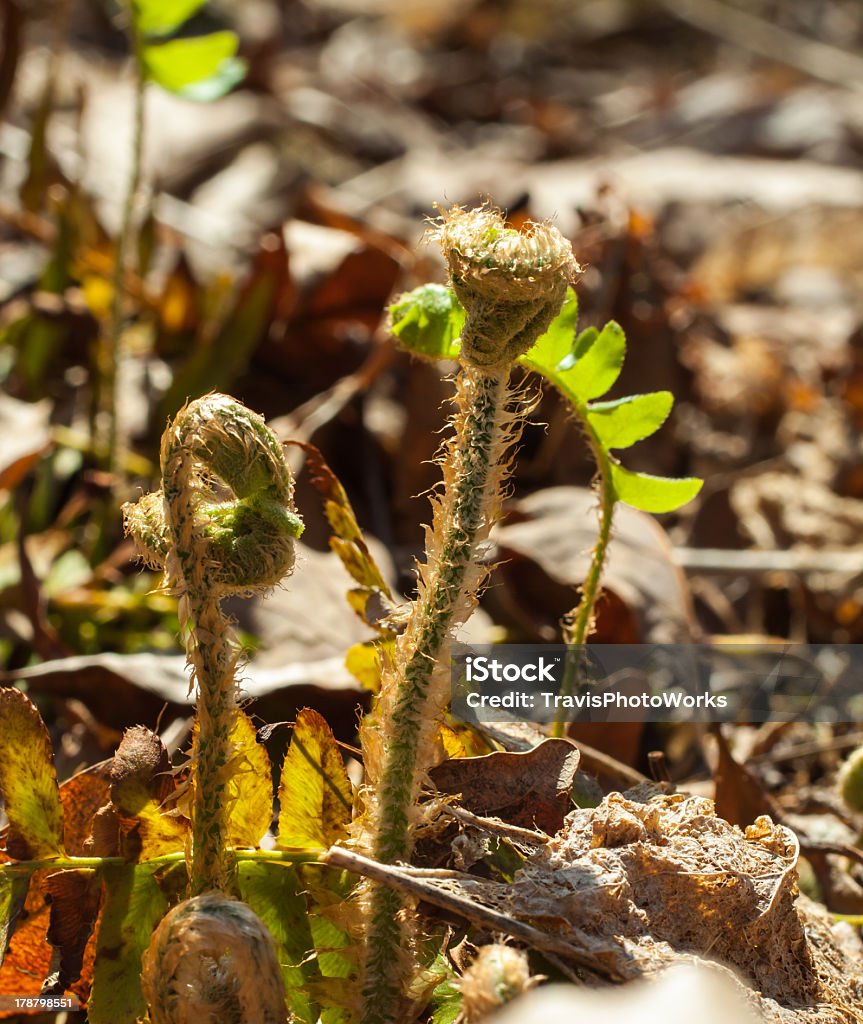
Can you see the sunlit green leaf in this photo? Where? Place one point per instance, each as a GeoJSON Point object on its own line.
{"type": "Point", "coordinates": [582, 367]}
{"type": "Point", "coordinates": [162, 17]}
{"type": "Point", "coordinates": [274, 893]}
{"type": "Point", "coordinates": [134, 904]}
{"type": "Point", "coordinates": [556, 344]}
{"type": "Point", "coordinates": [201, 68]}
{"type": "Point", "coordinates": [653, 493]}
{"type": "Point", "coordinates": [428, 321]}
{"type": "Point", "coordinates": [446, 1000]}
{"type": "Point", "coordinates": [590, 375]}
{"type": "Point", "coordinates": [620, 424]}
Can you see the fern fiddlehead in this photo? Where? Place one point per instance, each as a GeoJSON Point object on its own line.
{"type": "Point", "coordinates": [511, 285]}
{"type": "Point", "coordinates": [223, 523]}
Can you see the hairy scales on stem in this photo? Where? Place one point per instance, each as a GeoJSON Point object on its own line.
{"type": "Point", "coordinates": [511, 285]}
{"type": "Point", "coordinates": [223, 523]}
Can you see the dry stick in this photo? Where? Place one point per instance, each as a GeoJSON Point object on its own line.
{"type": "Point", "coordinates": [401, 880]}
{"type": "Point", "coordinates": [852, 739]}
{"type": "Point", "coordinates": [755, 562]}
{"type": "Point", "coordinates": [512, 286]}
{"type": "Point", "coordinates": [820, 60]}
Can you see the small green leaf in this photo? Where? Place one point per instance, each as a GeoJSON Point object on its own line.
{"type": "Point", "coordinates": [582, 368]}
{"type": "Point", "coordinates": [446, 999]}
{"type": "Point", "coordinates": [653, 493]}
{"type": "Point", "coordinates": [202, 68]}
{"type": "Point", "coordinates": [134, 905]}
{"type": "Point", "coordinates": [274, 893]}
{"type": "Point", "coordinates": [592, 373]}
{"type": "Point", "coordinates": [620, 424]}
{"type": "Point", "coordinates": [582, 343]}
{"type": "Point", "coordinates": [162, 17]}
{"type": "Point", "coordinates": [428, 321]}
{"type": "Point", "coordinates": [556, 344]}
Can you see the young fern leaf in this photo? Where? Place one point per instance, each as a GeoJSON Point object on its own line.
{"type": "Point", "coordinates": [622, 423]}
{"type": "Point", "coordinates": [428, 321]}
{"type": "Point", "coordinates": [211, 546]}
{"type": "Point", "coordinates": [163, 17]}
{"type": "Point", "coordinates": [583, 368]}
{"type": "Point", "coordinates": [200, 68]}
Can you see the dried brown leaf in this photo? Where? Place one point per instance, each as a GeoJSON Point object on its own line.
{"type": "Point", "coordinates": [530, 789]}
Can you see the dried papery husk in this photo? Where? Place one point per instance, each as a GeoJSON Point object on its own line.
{"type": "Point", "coordinates": [497, 975]}
{"type": "Point", "coordinates": [212, 961]}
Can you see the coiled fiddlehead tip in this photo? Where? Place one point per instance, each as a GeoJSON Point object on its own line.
{"type": "Point", "coordinates": [511, 283]}
{"type": "Point", "coordinates": [212, 959]}
{"type": "Point", "coordinates": [225, 471]}
{"type": "Point", "coordinates": [497, 975]}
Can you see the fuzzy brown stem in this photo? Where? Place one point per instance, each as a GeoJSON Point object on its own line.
{"type": "Point", "coordinates": [213, 656]}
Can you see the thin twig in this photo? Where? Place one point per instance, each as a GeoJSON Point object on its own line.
{"type": "Point", "coordinates": [756, 562]}
{"type": "Point", "coordinates": [495, 826]}
{"type": "Point", "coordinates": [397, 878]}
{"type": "Point", "coordinates": [809, 846]}
{"type": "Point", "coordinates": [851, 739]}
{"type": "Point", "coordinates": [766, 38]}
